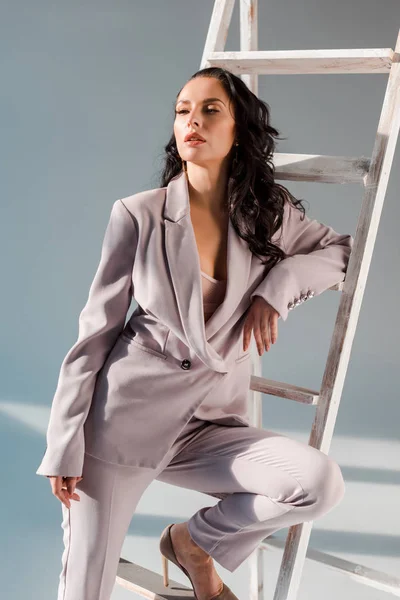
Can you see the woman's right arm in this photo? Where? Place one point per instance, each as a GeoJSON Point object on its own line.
{"type": "Point", "coordinates": [100, 322]}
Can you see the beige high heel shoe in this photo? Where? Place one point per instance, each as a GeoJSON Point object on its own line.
{"type": "Point", "coordinates": [168, 553]}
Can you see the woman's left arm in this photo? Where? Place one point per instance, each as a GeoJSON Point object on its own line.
{"type": "Point", "coordinates": [318, 260]}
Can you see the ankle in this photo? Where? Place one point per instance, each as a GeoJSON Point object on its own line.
{"type": "Point", "coordinates": [192, 549]}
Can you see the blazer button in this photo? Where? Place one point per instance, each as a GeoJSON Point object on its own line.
{"type": "Point", "coordinates": [186, 364]}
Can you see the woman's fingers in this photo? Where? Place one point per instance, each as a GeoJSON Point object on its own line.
{"type": "Point", "coordinates": [63, 489]}
{"type": "Point", "coordinates": [262, 319]}
{"type": "Point", "coordinates": [259, 333]}
{"type": "Point", "coordinates": [273, 324]}
{"type": "Point", "coordinates": [60, 492]}
{"type": "Point", "coordinates": [264, 326]}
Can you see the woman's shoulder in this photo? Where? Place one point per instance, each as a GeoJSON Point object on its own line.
{"type": "Point", "coordinates": [145, 202]}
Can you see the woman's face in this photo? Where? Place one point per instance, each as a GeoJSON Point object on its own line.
{"type": "Point", "coordinates": [212, 119]}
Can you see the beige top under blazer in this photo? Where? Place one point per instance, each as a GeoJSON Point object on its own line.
{"type": "Point", "coordinates": [126, 390]}
{"type": "Point", "coordinates": [213, 293]}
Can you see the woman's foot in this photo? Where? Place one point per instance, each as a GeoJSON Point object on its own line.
{"type": "Point", "coordinates": [206, 581]}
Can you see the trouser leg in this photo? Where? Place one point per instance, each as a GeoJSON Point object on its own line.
{"type": "Point", "coordinates": [94, 528]}
{"type": "Point", "coordinates": [266, 481]}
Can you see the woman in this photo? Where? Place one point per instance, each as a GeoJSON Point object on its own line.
{"type": "Point", "coordinates": [217, 253]}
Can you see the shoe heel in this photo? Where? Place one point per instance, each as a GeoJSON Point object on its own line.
{"type": "Point", "coordinates": [165, 550]}
{"type": "Point", "coordinates": [165, 570]}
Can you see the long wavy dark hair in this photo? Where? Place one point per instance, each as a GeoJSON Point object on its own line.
{"type": "Point", "coordinates": [255, 200]}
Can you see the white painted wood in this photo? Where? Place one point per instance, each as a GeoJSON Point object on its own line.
{"type": "Point", "coordinates": [218, 29]}
{"type": "Point", "coordinates": [255, 561]}
{"type": "Point", "coordinates": [148, 584]}
{"type": "Point", "coordinates": [249, 37]}
{"type": "Point", "coordinates": [296, 62]}
{"type": "Point", "coordinates": [347, 316]}
{"type": "Point", "coordinates": [256, 580]}
{"type": "Point", "coordinates": [249, 42]}
{"type": "Point", "coordinates": [284, 390]}
{"type": "Point", "coordinates": [360, 573]}
{"type": "Point", "coordinates": [319, 168]}
{"type": "Point", "coordinates": [373, 173]}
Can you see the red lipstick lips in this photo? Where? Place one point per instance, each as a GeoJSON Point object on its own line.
{"type": "Point", "coordinates": [196, 137]}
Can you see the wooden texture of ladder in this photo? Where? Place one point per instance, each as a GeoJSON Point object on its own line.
{"type": "Point", "coordinates": [373, 174]}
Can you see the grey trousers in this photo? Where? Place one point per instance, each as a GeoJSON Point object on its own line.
{"type": "Point", "coordinates": [264, 481]}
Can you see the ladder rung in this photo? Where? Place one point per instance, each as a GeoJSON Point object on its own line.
{"type": "Point", "coordinates": [149, 584]}
{"type": "Point", "coordinates": [296, 62]}
{"type": "Point", "coordinates": [288, 390]}
{"type": "Point", "coordinates": [338, 286]}
{"type": "Point", "coordinates": [376, 579]}
{"type": "Point", "coordinates": [283, 390]}
{"type": "Point", "coordinates": [320, 168]}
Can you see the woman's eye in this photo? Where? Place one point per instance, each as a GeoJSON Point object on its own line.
{"type": "Point", "coordinates": [180, 112]}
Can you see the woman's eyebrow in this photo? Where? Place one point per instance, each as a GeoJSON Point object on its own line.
{"type": "Point", "coordinates": [185, 101]}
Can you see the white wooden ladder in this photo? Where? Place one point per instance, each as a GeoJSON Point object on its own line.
{"type": "Point", "coordinates": [373, 174]}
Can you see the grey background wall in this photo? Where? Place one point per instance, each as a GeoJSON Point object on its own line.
{"type": "Point", "coordinates": [87, 91]}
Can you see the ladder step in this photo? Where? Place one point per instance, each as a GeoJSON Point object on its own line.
{"type": "Point", "coordinates": [149, 584]}
{"type": "Point", "coordinates": [288, 62]}
{"type": "Point", "coordinates": [284, 390]}
{"type": "Point", "coordinates": [320, 168]}
{"type": "Point", "coordinates": [288, 390]}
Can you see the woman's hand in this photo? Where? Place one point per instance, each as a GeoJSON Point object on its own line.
{"type": "Point", "coordinates": [263, 319]}
{"type": "Point", "coordinates": [63, 488]}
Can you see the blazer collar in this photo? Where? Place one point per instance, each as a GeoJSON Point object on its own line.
{"type": "Point", "coordinates": [184, 263]}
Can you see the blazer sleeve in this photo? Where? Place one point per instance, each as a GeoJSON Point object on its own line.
{"type": "Point", "coordinates": [318, 259]}
{"type": "Point", "coordinates": [100, 322]}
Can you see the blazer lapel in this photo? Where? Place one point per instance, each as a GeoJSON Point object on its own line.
{"type": "Point", "coordinates": [184, 263]}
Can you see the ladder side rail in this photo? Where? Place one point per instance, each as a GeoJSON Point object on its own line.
{"type": "Point", "coordinates": [378, 580]}
{"type": "Point", "coordinates": [218, 29]}
{"type": "Point", "coordinates": [347, 317]}
{"type": "Point", "coordinates": [255, 560]}
{"type": "Point", "coordinates": [249, 41]}
{"type": "Point", "coordinates": [376, 182]}
{"type": "Point", "coordinates": [249, 37]}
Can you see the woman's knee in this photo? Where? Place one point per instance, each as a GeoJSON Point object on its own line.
{"type": "Point", "coordinates": [325, 486]}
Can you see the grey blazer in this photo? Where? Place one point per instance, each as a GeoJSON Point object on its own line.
{"type": "Point", "coordinates": [125, 391]}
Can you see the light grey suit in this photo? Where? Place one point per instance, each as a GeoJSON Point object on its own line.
{"type": "Point", "coordinates": [165, 396]}
{"type": "Point", "coordinates": [125, 393]}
